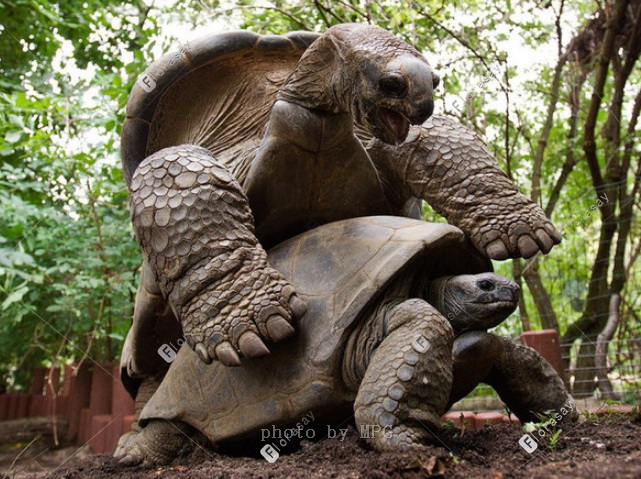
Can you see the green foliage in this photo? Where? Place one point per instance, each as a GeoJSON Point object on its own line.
{"type": "Point", "coordinates": [590, 417]}
{"type": "Point", "coordinates": [547, 423]}
{"type": "Point", "coordinates": [553, 440]}
{"type": "Point", "coordinates": [68, 262]}
{"type": "Point", "coordinates": [33, 31]}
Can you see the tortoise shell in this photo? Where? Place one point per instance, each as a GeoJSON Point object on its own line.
{"type": "Point", "coordinates": [216, 92]}
{"type": "Point", "coordinates": [339, 269]}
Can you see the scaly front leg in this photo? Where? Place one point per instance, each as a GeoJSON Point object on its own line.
{"type": "Point", "coordinates": [528, 385]}
{"type": "Point", "coordinates": [195, 227]}
{"type": "Point", "coordinates": [408, 380]}
{"type": "Point", "coordinates": [450, 167]}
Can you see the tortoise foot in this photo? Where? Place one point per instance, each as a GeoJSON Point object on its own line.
{"type": "Point", "coordinates": [515, 228]}
{"type": "Point", "coordinates": [530, 386]}
{"type": "Point", "coordinates": [255, 305]}
{"type": "Point", "coordinates": [159, 443]}
{"type": "Point", "coordinates": [125, 443]}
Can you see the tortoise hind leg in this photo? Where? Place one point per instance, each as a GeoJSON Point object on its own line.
{"type": "Point", "coordinates": [146, 388]}
{"type": "Point", "coordinates": [407, 383]}
{"type": "Point", "coordinates": [528, 385]}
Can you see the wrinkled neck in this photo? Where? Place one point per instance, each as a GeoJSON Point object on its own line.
{"type": "Point", "coordinates": [318, 81]}
{"type": "Point", "coordinates": [439, 296]}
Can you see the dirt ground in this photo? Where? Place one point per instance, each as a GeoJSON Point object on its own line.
{"type": "Point", "coordinates": [608, 446]}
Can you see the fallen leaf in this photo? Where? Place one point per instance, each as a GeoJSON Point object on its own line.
{"type": "Point", "coordinates": [433, 466]}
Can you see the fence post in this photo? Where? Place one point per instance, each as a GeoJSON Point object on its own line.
{"type": "Point", "coordinates": [78, 398]}
{"type": "Point", "coordinates": [546, 343]}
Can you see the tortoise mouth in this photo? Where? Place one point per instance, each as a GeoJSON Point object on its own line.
{"type": "Point", "coordinates": [497, 308]}
{"type": "Point", "coordinates": [491, 315]}
{"type": "Point", "coordinates": [394, 126]}
{"type": "Point", "coordinates": [500, 304]}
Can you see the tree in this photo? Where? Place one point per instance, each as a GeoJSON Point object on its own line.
{"type": "Point", "coordinates": [67, 256]}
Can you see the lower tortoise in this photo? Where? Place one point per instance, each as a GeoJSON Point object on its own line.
{"type": "Point", "coordinates": [394, 334]}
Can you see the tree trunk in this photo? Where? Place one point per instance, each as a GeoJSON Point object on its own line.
{"type": "Point", "coordinates": [601, 357]}
{"type": "Point", "coordinates": [542, 300]}
{"type": "Point", "coordinates": [597, 306]}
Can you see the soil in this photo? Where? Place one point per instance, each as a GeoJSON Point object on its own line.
{"type": "Point", "coordinates": [596, 447]}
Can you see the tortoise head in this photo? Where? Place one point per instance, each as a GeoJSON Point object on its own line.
{"type": "Point", "coordinates": [392, 83]}
{"type": "Point", "coordinates": [474, 301]}
{"type": "Point", "coordinates": [395, 95]}
{"type": "Point", "coordinates": [382, 81]}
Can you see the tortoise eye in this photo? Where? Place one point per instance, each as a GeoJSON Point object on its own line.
{"type": "Point", "coordinates": [486, 285]}
{"type": "Point", "coordinates": [393, 84]}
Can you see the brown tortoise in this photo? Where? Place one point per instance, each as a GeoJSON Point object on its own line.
{"type": "Point", "coordinates": [394, 334]}
{"type": "Point", "coordinates": [248, 140]}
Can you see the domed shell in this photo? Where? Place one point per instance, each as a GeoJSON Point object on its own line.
{"type": "Point", "coordinates": [215, 92]}
{"type": "Point", "coordinates": [338, 269]}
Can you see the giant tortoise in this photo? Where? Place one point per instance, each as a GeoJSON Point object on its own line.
{"type": "Point", "coordinates": [370, 345]}
{"type": "Point", "coordinates": [242, 141]}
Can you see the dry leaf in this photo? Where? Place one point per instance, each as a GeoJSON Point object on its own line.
{"type": "Point", "coordinates": [433, 466]}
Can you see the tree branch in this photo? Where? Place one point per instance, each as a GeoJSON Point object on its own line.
{"type": "Point", "coordinates": [549, 117]}
{"type": "Point", "coordinates": [615, 24]}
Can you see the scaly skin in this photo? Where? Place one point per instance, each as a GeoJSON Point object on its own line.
{"type": "Point", "coordinates": [402, 386]}
{"type": "Point", "coordinates": [406, 388]}
{"type": "Point", "coordinates": [195, 227]}
{"type": "Point", "coordinates": [159, 442]}
{"type": "Point", "coordinates": [527, 384]}
{"type": "Point", "coordinates": [447, 165]}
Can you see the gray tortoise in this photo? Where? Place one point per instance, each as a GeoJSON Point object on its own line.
{"type": "Point", "coordinates": [242, 141]}
{"type": "Point", "coordinates": [370, 345]}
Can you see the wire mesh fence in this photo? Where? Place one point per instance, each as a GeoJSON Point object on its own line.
{"type": "Point", "coordinates": [623, 372]}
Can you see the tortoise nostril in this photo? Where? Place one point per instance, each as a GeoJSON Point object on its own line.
{"type": "Point", "coordinates": [516, 290]}
{"type": "Point", "coordinates": [393, 84]}
{"type": "Point", "coordinates": [486, 285]}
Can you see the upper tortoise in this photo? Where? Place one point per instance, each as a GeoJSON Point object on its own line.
{"type": "Point", "coordinates": [248, 140]}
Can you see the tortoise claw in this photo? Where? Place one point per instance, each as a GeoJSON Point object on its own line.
{"type": "Point", "coordinates": [554, 234]}
{"type": "Point", "coordinates": [278, 328]}
{"type": "Point", "coordinates": [298, 306]}
{"type": "Point", "coordinates": [252, 346]}
{"type": "Point", "coordinates": [130, 461]}
{"type": "Point", "coordinates": [201, 351]}
{"type": "Point", "coordinates": [527, 246]}
{"type": "Point", "coordinates": [497, 250]}
{"type": "Point", "coordinates": [227, 355]}
{"type": "Point", "coordinates": [269, 311]}
{"type": "Point", "coordinates": [544, 240]}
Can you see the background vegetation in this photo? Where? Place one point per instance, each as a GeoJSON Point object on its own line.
{"type": "Point", "coordinates": [554, 87]}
